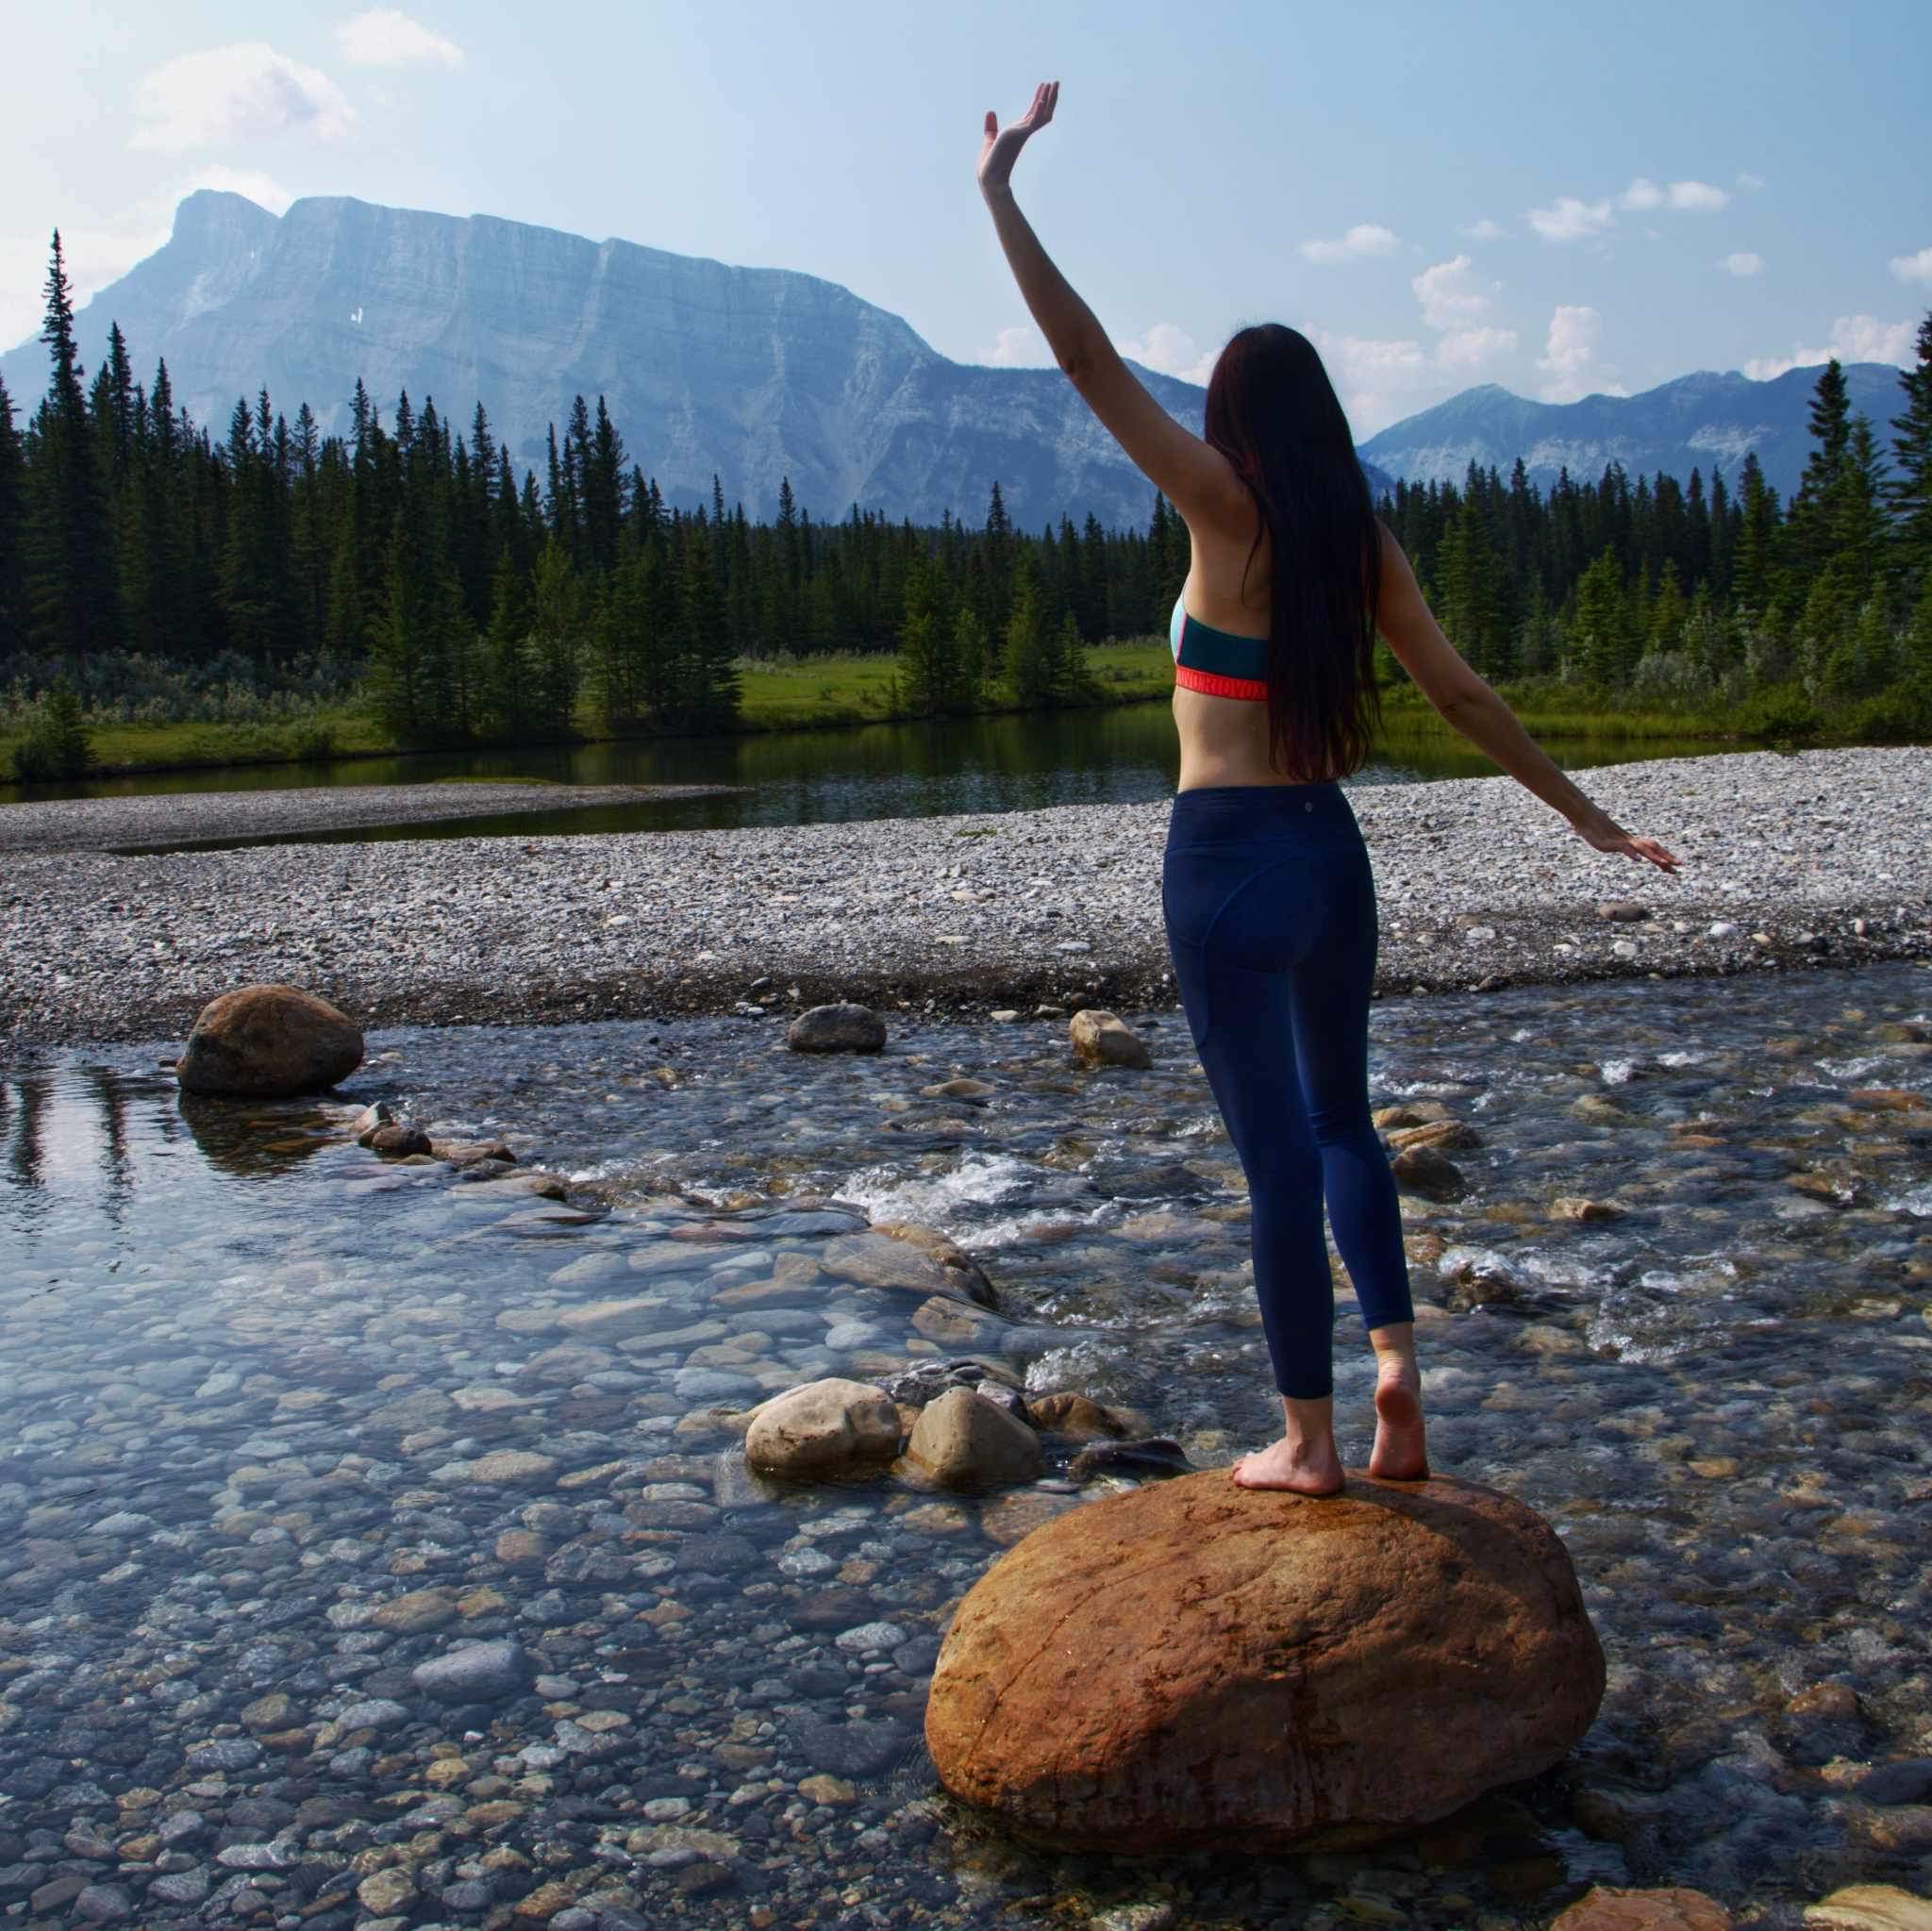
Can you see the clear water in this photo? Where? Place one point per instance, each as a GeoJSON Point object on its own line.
{"type": "Point", "coordinates": [250, 1374]}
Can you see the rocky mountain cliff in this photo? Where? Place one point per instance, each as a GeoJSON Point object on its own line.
{"type": "Point", "coordinates": [753, 373]}
{"type": "Point", "coordinates": [1706, 421]}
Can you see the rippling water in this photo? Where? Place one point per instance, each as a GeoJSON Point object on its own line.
{"type": "Point", "coordinates": [279, 1420]}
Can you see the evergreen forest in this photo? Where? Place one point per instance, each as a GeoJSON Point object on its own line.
{"type": "Point", "coordinates": [150, 568]}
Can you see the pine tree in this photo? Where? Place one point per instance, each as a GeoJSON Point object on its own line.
{"type": "Point", "coordinates": [1909, 491]}
{"type": "Point", "coordinates": [1755, 561]}
{"type": "Point", "coordinates": [12, 532]}
{"type": "Point", "coordinates": [69, 577]}
{"type": "Point", "coordinates": [1599, 629]}
{"type": "Point", "coordinates": [1023, 658]}
{"type": "Point", "coordinates": [556, 619]}
{"type": "Point", "coordinates": [1810, 523]}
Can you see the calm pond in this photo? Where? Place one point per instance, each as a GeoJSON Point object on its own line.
{"type": "Point", "coordinates": [1126, 754]}
{"type": "Point", "coordinates": [280, 1420]}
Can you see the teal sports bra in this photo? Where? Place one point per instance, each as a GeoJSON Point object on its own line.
{"type": "Point", "coordinates": [1216, 661]}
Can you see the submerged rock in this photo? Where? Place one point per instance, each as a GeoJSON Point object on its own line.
{"type": "Point", "coordinates": [1156, 1456]}
{"type": "Point", "coordinates": [1871, 1908]}
{"type": "Point", "coordinates": [269, 1043]}
{"type": "Point", "coordinates": [1253, 1669]}
{"type": "Point", "coordinates": [1104, 1038]}
{"type": "Point", "coordinates": [1423, 1170]}
{"type": "Point", "coordinates": [1607, 1908]}
{"type": "Point", "coordinates": [823, 1428]}
{"type": "Point", "coordinates": [477, 1673]}
{"type": "Point", "coordinates": [963, 1440]}
{"type": "Point", "coordinates": [839, 1029]}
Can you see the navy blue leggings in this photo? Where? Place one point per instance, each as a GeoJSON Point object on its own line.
{"type": "Point", "coordinates": [1269, 905]}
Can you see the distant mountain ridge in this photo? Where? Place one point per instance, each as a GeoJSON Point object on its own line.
{"type": "Point", "coordinates": [750, 374]}
{"type": "Point", "coordinates": [755, 375]}
{"type": "Point", "coordinates": [1702, 420]}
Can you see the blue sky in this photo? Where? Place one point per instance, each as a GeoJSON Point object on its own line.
{"type": "Point", "coordinates": [1558, 200]}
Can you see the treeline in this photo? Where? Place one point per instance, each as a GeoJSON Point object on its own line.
{"type": "Point", "coordinates": [1670, 590]}
{"type": "Point", "coordinates": [474, 604]}
{"type": "Point", "coordinates": [408, 562]}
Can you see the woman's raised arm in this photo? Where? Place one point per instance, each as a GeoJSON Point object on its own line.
{"type": "Point", "coordinates": [1198, 480]}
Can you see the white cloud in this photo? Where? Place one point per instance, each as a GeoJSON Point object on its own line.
{"type": "Point", "coordinates": [1854, 338]}
{"type": "Point", "coordinates": [1465, 348]}
{"type": "Point", "coordinates": [1743, 262]}
{"type": "Point", "coordinates": [234, 93]}
{"type": "Point", "coordinates": [385, 36]}
{"type": "Point", "coordinates": [1913, 268]}
{"type": "Point", "coordinates": [1173, 352]}
{"type": "Point", "coordinates": [1483, 230]}
{"type": "Point", "coordinates": [1567, 218]}
{"type": "Point", "coordinates": [97, 253]}
{"type": "Point", "coordinates": [1452, 294]}
{"type": "Point", "coordinates": [1749, 182]}
{"type": "Point", "coordinates": [1023, 347]}
{"type": "Point", "coordinates": [1570, 356]}
{"type": "Point", "coordinates": [1364, 238]}
{"type": "Point", "coordinates": [1697, 197]}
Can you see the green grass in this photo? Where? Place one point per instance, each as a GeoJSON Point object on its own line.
{"type": "Point", "coordinates": [1407, 713]}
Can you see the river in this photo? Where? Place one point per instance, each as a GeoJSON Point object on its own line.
{"type": "Point", "coordinates": [1125, 754]}
{"type": "Point", "coordinates": [279, 1419]}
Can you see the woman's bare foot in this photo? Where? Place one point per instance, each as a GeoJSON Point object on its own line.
{"type": "Point", "coordinates": [1304, 1462]}
{"type": "Point", "coordinates": [1401, 1453]}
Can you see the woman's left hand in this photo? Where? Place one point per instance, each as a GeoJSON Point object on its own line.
{"type": "Point", "coordinates": [1002, 145]}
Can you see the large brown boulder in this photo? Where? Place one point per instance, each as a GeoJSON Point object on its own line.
{"type": "Point", "coordinates": [265, 1042]}
{"type": "Point", "coordinates": [1194, 1665]}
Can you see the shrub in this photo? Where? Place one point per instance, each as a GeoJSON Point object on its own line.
{"type": "Point", "coordinates": [1899, 714]}
{"type": "Point", "coordinates": [56, 745]}
{"type": "Point", "coordinates": [1781, 715]}
{"type": "Point", "coordinates": [312, 742]}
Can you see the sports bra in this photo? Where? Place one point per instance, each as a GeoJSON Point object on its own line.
{"type": "Point", "coordinates": [1216, 661]}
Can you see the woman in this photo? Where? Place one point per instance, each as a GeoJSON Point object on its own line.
{"type": "Point", "coordinates": [1266, 890]}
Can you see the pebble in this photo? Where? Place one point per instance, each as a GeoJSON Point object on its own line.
{"type": "Point", "coordinates": [501, 933]}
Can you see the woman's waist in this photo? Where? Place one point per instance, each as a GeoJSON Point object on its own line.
{"type": "Point", "coordinates": [1234, 814]}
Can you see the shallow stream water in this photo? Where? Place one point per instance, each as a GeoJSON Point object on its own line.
{"type": "Point", "coordinates": [279, 1420]}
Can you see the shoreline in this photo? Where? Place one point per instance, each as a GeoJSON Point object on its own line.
{"type": "Point", "coordinates": [1818, 857]}
{"type": "Point", "coordinates": [143, 824]}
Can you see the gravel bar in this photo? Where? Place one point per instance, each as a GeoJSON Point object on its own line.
{"type": "Point", "coordinates": [1809, 858]}
{"type": "Point", "coordinates": [154, 820]}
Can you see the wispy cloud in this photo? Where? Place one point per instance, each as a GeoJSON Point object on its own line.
{"type": "Point", "coordinates": [1467, 348]}
{"type": "Point", "coordinates": [1452, 294]}
{"type": "Point", "coordinates": [1022, 347]}
{"type": "Point", "coordinates": [1685, 197]}
{"type": "Point", "coordinates": [1913, 268]}
{"type": "Point", "coordinates": [1365, 239]}
{"type": "Point", "coordinates": [1750, 183]}
{"type": "Point", "coordinates": [1742, 263]}
{"type": "Point", "coordinates": [1571, 218]}
{"type": "Point", "coordinates": [1173, 352]}
{"type": "Point", "coordinates": [1854, 338]}
{"type": "Point", "coordinates": [386, 37]}
{"type": "Point", "coordinates": [1483, 230]}
{"type": "Point", "coordinates": [234, 93]}
{"type": "Point", "coordinates": [1570, 356]}
{"type": "Point", "coordinates": [1568, 218]}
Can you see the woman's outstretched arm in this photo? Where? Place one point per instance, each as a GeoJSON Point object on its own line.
{"type": "Point", "coordinates": [1466, 701]}
{"type": "Point", "coordinates": [1196, 478]}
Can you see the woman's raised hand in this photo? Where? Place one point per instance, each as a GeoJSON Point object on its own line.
{"type": "Point", "coordinates": [1002, 145]}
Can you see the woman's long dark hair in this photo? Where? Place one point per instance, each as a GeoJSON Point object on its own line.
{"type": "Point", "coordinates": [1273, 413]}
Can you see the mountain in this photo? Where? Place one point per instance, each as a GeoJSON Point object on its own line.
{"type": "Point", "coordinates": [1705, 421]}
{"type": "Point", "coordinates": [753, 373]}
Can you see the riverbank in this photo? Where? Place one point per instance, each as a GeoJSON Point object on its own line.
{"type": "Point", "coordinates": [1818, 857]}
{"type": "Point", "coordinates": [189, 818]}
